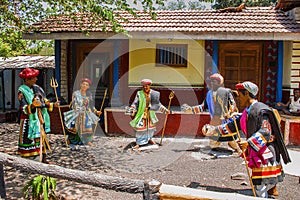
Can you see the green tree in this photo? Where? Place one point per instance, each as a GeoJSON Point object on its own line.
{"type": "Point", "coordinates": [16, 16]}
{"type": "Point", "coordinates": [181, 5]}
{"type": "Point", "coordinates": [40, 47]}
{"type": "Point", "coordinates": [217, 4]}
{"type": "Point", "coordinates": [195, 5]}
{"type": "Point", "coordinates": [174, 5]}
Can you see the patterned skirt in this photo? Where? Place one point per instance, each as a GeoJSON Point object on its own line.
{"type": "Point", "coordinates": [26, 146]}
{"type": "Point", "coordinates": [270, 173]}
{"type": "Point", "coordinates": [80, 126]}
{"type": "Point", "coordinates": [144, 132]}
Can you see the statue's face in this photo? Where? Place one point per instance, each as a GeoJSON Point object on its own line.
{"type": "Point", "coordinates": [84, 85]}
{"type": "Point", "coordinates": [296, 94]}
{"type": "Point", "coordinates": [146, 88]}
{"type": "Point", "coordinates": [30, 81]}
{"type": "Point", "coordinates": [243, 98]}
{"type": "Point", "coordinates": [215, 84]}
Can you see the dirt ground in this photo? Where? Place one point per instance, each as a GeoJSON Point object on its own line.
{"type": "Point", "coordinates": [182, 162]}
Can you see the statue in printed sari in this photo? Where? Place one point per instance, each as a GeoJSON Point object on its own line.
{"type": "Point", "coordinates": [83, 115]}
{"type": "Point", "coordinates": [146, 102]}
{"type": "Point", "coordinates": [34, 119]}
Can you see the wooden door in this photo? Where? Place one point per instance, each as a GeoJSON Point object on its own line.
{"type": "Point", "coordinates": [95, 62]}
{"type": "Point", "coordinates": [241, 61]}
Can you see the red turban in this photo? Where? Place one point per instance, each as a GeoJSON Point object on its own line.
{"type": "Point", "coordinates": [29, 73]}
{"type": "Point", "coordinates": [86, 80]}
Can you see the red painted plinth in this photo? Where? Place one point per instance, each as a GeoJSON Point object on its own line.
{"type": "Point", "coordinates": [295, 133]}
{"type": "Point", "coordinates": [290, 126]}
{"type": "Point", "coordinates": [177, 125]}
{"type": "Point", "coordinates": [55, 123]}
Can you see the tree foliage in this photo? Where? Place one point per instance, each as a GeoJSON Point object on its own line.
{"type": "Point", "coordinates": [17, 15]}
{"type": "Point", "coordinates": [218, 4]}
{"type": "Point", "coordinates": [181, 5]}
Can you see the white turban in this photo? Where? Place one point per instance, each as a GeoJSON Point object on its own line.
{"type": "Point", "coordinates": [146, 82]}
{"type": "Point", "coordinates": [249, 86]}
{"type": "Point", "coordinates": [218, 77]}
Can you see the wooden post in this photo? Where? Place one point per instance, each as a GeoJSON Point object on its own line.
{"type": "Point", "coordinates": [2, 183]}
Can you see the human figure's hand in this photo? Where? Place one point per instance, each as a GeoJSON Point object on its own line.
{"type": "Point", "coordinates": [130, 110]}
{"type": "Point", "coordinates": [243, 145]}
{"type": "Point", "coordinates": [226, 116]}
{"type": "Point", "coordinates": [56, 104]}
{"type": "Point", "coordinates": [279, 104]}
{"type": "Point", "coordinates": [98, 112]}
{"type": "Point", "coordinates": [36, 102]}
{"type": "Point", "coordinates": [209, 130]}
{"type": "Point", "coordinates": [233, 109]}
{"type": "Point", "coordinates": [186, 108]}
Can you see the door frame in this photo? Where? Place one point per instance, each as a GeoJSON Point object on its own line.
{"type": "Point", "coordinates": [244, 45]}
{"type": "Point", "coordinates": [83, 48]}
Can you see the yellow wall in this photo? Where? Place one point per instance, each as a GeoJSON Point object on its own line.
{"type": "Point", "coordinates": [142, 64]}
{"type": "Point", "coordinates": [287, 61]}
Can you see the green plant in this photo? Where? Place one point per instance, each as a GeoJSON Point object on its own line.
{"type": "Point", "coordinates": [40, 187]}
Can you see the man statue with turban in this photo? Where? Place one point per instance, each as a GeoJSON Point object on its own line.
{"type": "Point", "coordinates": [34, 119]}
{"type": "Point", "coordinates": [145, 104]}
{"type": "Point", "coordinates": [220, 103]}
{"type": "Point", "coordinates": [264, 145]}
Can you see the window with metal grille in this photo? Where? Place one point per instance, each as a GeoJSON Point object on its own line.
{"type": "Point", "coordinates": [174, 55]}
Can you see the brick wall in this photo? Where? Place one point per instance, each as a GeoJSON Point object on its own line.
{"type": "Point", "coordinates": [63, 70]}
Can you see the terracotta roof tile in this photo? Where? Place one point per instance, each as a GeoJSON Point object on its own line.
{"type": "Point", "coordinates": [27, 61]}
{"type": "Point", "coordinates": [252, 19]}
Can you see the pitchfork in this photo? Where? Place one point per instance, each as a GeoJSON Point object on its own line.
{"type": "Point", "coordinates": [54, 85]}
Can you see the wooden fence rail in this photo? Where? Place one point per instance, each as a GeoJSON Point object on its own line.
{"type": "Point", "coordinates": [85, 177]}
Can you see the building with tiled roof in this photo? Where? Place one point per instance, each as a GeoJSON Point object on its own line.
{"type": "Point", "coordinates": [263, 23]}
{"type": "Point", "coordinates": [178, 51]}
{"type": "Point", "coordinates": [9, 69]}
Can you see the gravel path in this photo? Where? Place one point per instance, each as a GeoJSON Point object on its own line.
{"type": "Point", "coordinates": [182, 162]}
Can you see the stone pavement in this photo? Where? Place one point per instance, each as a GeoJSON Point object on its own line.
{"type": "Point", "coordinates": [186, 162]}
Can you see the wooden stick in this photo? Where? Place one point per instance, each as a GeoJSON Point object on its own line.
{"type": "Point", "coordinates": [166, 119]}
{"type": "Point", "coordinates": [103, 100]}
{"type": "Point", "coordinates": [41, 120]}
{"type": "Point", "coordinates": [244, 156]}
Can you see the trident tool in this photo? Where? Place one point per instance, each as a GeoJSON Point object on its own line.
{"type": "Point", "coordinates": [54, 85]}
{"type": "Point", "coordinates": [239, 136]}
{"type": "Point", "coordinates": [171, 96]}
{"type": "Point", "coordinates": [104, 96]}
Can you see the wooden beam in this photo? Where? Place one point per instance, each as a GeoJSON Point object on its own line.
{"type": "Point", "coordinates": [86, 177]}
